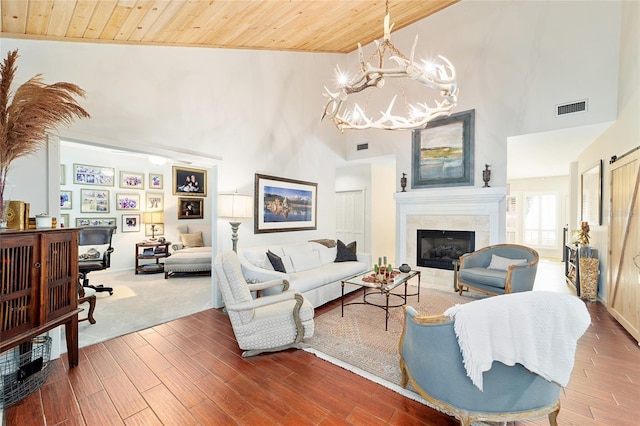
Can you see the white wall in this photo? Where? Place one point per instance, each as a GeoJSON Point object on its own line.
{"type": "Point", "coordinates": [622, 136]}
{"type": "Point", "coordinates": [259, 111]}
{"type": "Point", "coordinates": [515, 62]}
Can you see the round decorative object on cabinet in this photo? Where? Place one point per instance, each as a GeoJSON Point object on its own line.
{"type": "Point", "coordinates": [404, 268]}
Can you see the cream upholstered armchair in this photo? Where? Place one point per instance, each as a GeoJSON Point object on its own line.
{"type": "Point", "coordinates": [265, 324]}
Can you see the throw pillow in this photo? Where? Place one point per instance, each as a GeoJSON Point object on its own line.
{"type": "Point", "coordinates": [502, 263]}
{"type": "Point", "coordinates": [325, 242]}
{"type": "Point", "coordinates": [305, 261]}
{"type": "Point", "coordinates": [192, 240]}
{"type": "Point", "coordinates": [346, 253]}
{"type": "Point", "coordinates": [276, 262]}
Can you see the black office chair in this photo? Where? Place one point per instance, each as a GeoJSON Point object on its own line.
{"type": "Point", "coordinates": [92, 260]}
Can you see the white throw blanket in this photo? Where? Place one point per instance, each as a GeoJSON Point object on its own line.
{"type": "Point", "coordinates": [537, 329]}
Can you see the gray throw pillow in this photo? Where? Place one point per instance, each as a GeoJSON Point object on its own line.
{"type": "Point", "coordinates": [346, 253]}
{"type": "Point", "coordinates": [276, 262]}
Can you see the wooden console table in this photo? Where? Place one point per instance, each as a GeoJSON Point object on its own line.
{"type": "Point", "coordinates": [38, 286]}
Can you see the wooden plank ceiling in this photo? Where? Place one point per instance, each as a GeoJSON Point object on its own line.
{"type": "Point", "coordinates": [296, 25]}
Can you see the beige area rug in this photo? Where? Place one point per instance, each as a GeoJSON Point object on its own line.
{"type": "Point", "coordinates": [141, 301]}
{"type": "Point", "coordinates": [359, 342]}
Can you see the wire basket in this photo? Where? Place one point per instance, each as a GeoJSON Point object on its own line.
{"type": "Point", "coordinates": [589, 279]}
{"type": "Point", "coordinates": [24, 369]}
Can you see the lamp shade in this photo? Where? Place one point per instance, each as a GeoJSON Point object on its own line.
{"type": "Point", "coordinates": [235, 207]}
{"type": "Point", "coordinates": [153, 217]}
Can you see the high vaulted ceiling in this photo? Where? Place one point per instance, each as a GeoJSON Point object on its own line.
{"type": "Point", "coordinates": [296, 25]}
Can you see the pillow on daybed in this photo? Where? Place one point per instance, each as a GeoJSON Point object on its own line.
{"type": "Point", "coordinates": [502, 263]}
{"type": "Point", "coordinates": [346, 253]}
{"type": "Point", "coordinates": [192, 240]}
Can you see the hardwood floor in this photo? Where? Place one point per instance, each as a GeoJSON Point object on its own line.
{"type": "Point", "coordinates": [189, 372]}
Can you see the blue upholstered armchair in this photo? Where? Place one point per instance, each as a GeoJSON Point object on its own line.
{"type": "Point", "coordinates": [498, 269]}
{"type": "Point", "coordinates": [544, 340]}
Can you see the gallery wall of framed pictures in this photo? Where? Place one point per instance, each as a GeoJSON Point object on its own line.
{"type": "Point", "coordinates": [93, 195]}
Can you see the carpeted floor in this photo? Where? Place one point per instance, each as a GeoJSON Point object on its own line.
{"type": "Point", "coordinates": [359, 339]}
{"type": "Point", "coordinates": [141, 301]}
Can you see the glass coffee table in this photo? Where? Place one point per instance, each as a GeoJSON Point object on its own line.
{"type": "Point", "coordinates": [370, 287]}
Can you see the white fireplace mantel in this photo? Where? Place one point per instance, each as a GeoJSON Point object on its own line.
{"type": "Point", "coordinates": [467, 201]}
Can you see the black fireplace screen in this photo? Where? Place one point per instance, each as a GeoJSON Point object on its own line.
{"type": "Point", "coordinates": [439, 248]}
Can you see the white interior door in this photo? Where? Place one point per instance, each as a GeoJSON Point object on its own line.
{"type": "Point", "coordinates": [350, 217]}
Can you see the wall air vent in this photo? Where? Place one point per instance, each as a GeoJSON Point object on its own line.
{"type": "Point", "coordinates": [362, 146]}
{"type": "Point", "coordinates": [572, 108]}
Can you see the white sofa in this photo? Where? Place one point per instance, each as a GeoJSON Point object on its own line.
{"type": "Point", "coordinates": [310, 268]}
{"type": "Point", "coordinates": [192, 259]}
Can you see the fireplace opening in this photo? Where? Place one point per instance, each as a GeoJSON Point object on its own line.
{"type": "Point", "coordinates": [439, 248]}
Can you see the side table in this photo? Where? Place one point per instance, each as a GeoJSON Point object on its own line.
{"type": "Point", "coordinates": [151, 250]}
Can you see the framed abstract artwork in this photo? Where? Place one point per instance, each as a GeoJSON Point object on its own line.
{"type": "Point", "coordinates": [282, 205]}
{"type": "Point", "coordinates": [442, 153]}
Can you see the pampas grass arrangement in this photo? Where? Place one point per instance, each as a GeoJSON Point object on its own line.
{"type": "Point", "coordinates": [27, 115]}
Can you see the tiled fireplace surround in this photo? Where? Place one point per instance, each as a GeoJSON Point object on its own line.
{"type": "Point", "coordinates": [455, 209]}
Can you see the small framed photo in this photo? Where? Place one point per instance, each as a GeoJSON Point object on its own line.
{"type": "Point", "coordinates": [94, 201]}
{"type": "Point", "coordinates": [131, 180]}
{"type": "Point", "coordinates": [127, 201]}
{"type": "Point", "coordinates": [96, 221]}
{"type": "Point", "coordinates": [154, 201]}
{"type": "Point", "coordinates": [149, 232]}
{"type": "Point", "coordinates": [156, 181]}
{"type": "Point", "coordinates": [189, 182]}
{"type": "Point", "coordinates": [66, 200]}
{"type": "Point", "coordinates": [147, 251]}
{"type": "Point", "coordinates": [190, 208]}
{"type": "Point", "coordinates": [85, 174]}
{"type": "Point", "coordinates": [130, 223]}
{"type": "Point", "coordinates": [64, 220]}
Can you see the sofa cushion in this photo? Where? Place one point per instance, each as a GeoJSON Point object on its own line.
{"type": "Point", "coordinates": [276, 262]}
{"type": "Point", "coordinates": [490, 277]}
{"type": "Point", "coordinates": [502, 263]}
{"type": "Point", "coordinates": [327, 254]}
{"type": "Point", "coordinates": [192, 240]}
{"type": "Point", "coordinates": [318, 277]}
{"type": "Point", "coordinates": [305, 261]}
{"type": "Point", "coordinates": [346, 253]}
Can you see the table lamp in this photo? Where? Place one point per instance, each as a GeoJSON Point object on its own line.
{"type": "Point", "coordinates": [153, 218]}
{"type": "Point", "coordinates": [235, 208]}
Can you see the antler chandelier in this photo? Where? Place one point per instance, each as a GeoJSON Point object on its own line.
{"type": "Point", "coordinates": [439, 75]}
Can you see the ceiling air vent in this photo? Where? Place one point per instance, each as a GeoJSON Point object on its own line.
{"type": "Point", "coordinates": [362, 146]}
{"type": "Point", "coordinates": [572, 108]}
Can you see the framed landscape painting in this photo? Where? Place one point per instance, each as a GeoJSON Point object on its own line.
{"type": "Point", "coordinates": [189, 182]}
{"type": "Point", "coordinates": [442, 153]}
{"type": "Point", "coordinates": [282, 205]}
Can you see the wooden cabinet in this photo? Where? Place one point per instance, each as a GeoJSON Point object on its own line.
{"type": "Point", "coordinates": [151, 251]}
{"type": "Point", "coordinates": [581, 270]}
{"type": "Point", "coordinates": [38, 286]}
